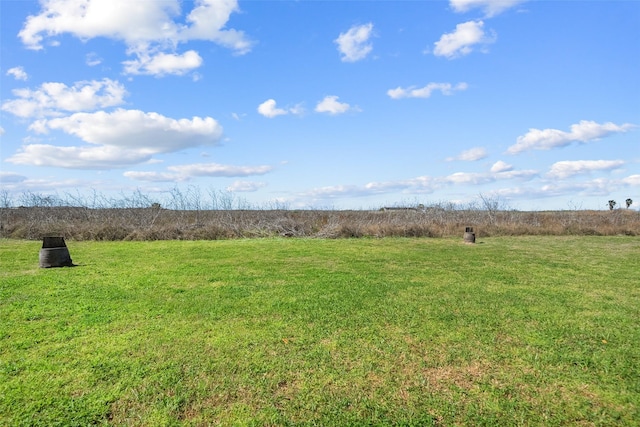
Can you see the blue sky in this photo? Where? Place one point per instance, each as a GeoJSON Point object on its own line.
{"type": "Point", "coordinates": [324, 104]}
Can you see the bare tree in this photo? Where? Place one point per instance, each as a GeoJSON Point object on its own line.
{"type": "Point", "coordinates": [491, 204]}
{"type": "Point", "coordinates": [6, 201]}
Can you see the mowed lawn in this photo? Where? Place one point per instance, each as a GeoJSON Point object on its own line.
{"type": "Point", "coordinates": [394, 331]}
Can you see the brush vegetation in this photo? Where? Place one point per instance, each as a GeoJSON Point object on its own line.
{"type": "Point", "coordinates": [532, 330]}
{"type": "Point", "coordinates": [156, 223]}
{"type": "Point", "coordinates": [191, 215]}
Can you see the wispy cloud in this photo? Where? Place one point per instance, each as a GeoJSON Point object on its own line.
{"type": "Point", "coordinates": [48, 185]}
{"type": "Point", "coordinates": [477, 178]}
{"type": "Point", "coordinates": [426, 91]}
{"type": "Point", "coordinates": [74, 157]}
{"type": "Point", "coordinates": [18, 73]}
{"type": "Point", "coordinates": [463, 40]}
{"type": "Point", "coordinates": [600, 187]}
{"type": "Point", "coordinates": [470, 155]}
{"type": "Point", "coordinates": [566, 169]}
{"type": "Point", "coordinates": [490, 7]}
{"type": "Point", "coordinates": [585, 131]}
{"type": "Point", "coordinates": [421, 184]}
{"type": "Point", "coordinates": [92, 59]}
{"type": "Point", "coordinates": [354, 44]}
{"type": "Point", "coordinates": [150, 176]}
{"type": "Point", "coordinates": [218, 170]}
{"type": "Point", "coordinates": [501, 166]}
{"type": "Point", "coordinates": [580, 189]}
{"type": "Point", "coordinates": [246, 186]}
{"type": "Point", "coordinates": [334, 191]}
{"type": "Point", "coordinates": [180, 173]}
{"type": "Point", "coordinates": [632, 180]}
{"type": "Point", "coordinates": [7, 177]}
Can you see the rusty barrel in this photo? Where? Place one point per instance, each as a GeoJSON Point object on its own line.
{"type": "Point", "coordinates": [469, 235]}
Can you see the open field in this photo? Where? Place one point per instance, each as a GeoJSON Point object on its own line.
{"type": "Point", "coordinates": [532, 330]}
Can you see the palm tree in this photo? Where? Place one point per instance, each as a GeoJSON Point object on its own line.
{"type": "Point", "coordinates": [612, 204]}
{"type": "Point", "coordinates": [629, 202]}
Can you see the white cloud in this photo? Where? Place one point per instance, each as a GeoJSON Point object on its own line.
{"type": "Point", "coordinates": [565, 169]}
{"type": "Point", "coordinates": [334, 191]}
{"type": "Point", "coordinates": [516, 174]}
{"type": "Point", "coordinates": [48, 184]}
{"type": "Point", "coordinates": [163, 63]}
{"type": "Point", "coordinates": [208, 20]}
{"type": "Point", "coordinates": [596, 187]}
{"type": "Point", "coordinates": [354, 44]}
{"type": "Point", "coordinates": [2, 130]}
{"type": "Point", "coordinates": [120, 138]}
{"type": "Point", "coordinates": [268, 109]}
{"type": "Point", "coordinates": [134, 128]}
{"type": "Point", "coordinates": [492, 176]}
{"type": "Point", "coordinates": [331, 105]}
{"type": "Point", "coordinates": [426, 91]}
{"type": "Point", "coordinates": [421, 184]}
{"type": "Point", "coordinates": [501, 166]}
{"type": "Point", "coordinates": [102, 157]}
{"type": "Point", "coordinates": [490, 7]}
{"type": "Point", "coordinates": [130, 21]}
{"type": "Point", "coordinates": [592, 188]}
{"type": "Point", "coordinates": [246, 186]}
{"type": "Point", "coordinates": [52, 99]}
{"type": "Point", "coordinates": [154, 176]}
{"type": "Point", "coordinates": [632, 180]}
{"type": "Point", "coordinates": [469, 178]}
{"type": "Point", "coordinates": [146, 27]}
{"type": "Point", "coordinates": [181, 173]}
{"type": "Point", "coordinates": [218, 170]}
{"type": "Point", "coordinates": [462, 40]}
{"type": "Point", "coordinates": [470, 155]}
{"type": "Point", "coordinates": [18, 73]}
{"type": "Point", "coordinates": [546, 139]}
{"type": "Point", "coordinates": [427, 185]}
{"type": "Point", "coordinates": [389, 186]}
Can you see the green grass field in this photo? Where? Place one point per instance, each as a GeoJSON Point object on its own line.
{"type": "Point", "coordinates": [509, 331]}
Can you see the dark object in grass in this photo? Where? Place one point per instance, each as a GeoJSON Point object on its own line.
{"type": "Point", "coordinates": [469, 235]}
{"type": "Point", "coordinates": [54, 253]}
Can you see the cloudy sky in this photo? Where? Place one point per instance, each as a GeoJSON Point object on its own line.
{"type": "Point", "coordinates": [327, 104]}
